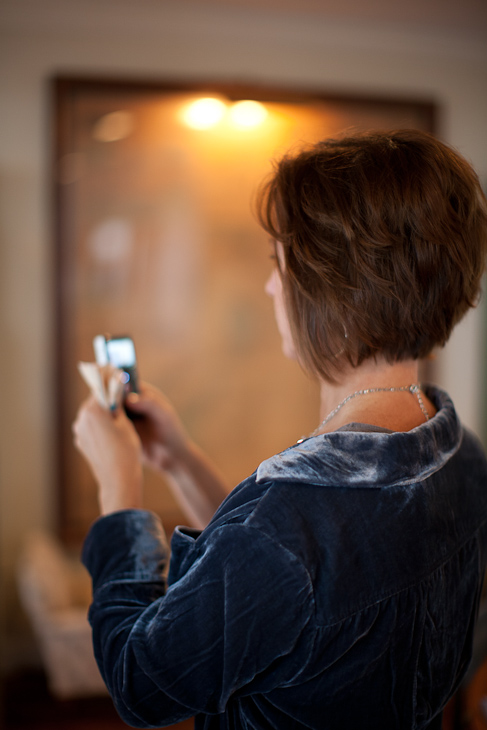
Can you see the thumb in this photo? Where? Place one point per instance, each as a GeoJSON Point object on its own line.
{"type": "Point", "coordinates": [132, 400]}
{"type": "Point", "coordinates": [140, 404]}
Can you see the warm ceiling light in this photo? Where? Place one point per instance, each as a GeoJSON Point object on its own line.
{"type": "Point", "coordinates": [114, 126]}
{"type": "Point", "coordinates": [204, 113]}
{"type": "Point", "coordinates": [248, 113]}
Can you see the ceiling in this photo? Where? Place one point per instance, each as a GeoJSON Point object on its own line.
{"type": "Point", "coordinates": [465, 16]}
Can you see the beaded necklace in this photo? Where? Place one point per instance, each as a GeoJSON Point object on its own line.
{"type": "Point", "coordinates": [414, 389]}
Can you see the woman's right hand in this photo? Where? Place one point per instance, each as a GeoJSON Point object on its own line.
{"type": "Point", "coordinates": [164, 440]}
{"type": "Point", "coordinates": [166, 447]}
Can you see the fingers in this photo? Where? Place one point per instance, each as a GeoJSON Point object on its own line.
{"type": "Point", "coordinates": [146, 396]}
{"type": "Point", "coordinates": [151, 403]}
{"type": "Point", "coordinates": [81, 419]}
{"type": "Point", "coordinates": [88, 410]}
{"type": "Point", "coordinates": [92, 420]}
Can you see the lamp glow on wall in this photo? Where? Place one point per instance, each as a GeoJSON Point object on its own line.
{"type": "Point", "coordinates": [208, 112]}
{"type": "Point", "coordinates": [113, 126]}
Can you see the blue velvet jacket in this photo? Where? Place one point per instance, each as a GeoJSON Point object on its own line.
{"type": "Point", "coordinates": [335, 588]}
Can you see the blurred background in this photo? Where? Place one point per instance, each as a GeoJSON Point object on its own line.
{"type": "Point", "coordinates": [117, 214]}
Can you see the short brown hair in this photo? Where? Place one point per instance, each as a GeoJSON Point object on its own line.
{"type": "Point", "coordinates": [384, 236]}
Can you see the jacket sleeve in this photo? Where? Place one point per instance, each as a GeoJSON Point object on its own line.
{"type": "Point", "coordinates": [225, 627]}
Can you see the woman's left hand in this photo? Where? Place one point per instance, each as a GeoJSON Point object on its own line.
{"type": "Point", "coordinates": [112, 448]}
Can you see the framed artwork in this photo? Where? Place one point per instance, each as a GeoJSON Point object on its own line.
{"type": "Point", "coordinates": [155, 237]}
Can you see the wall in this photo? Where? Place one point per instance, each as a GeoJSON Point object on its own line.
{"type": "Point", "coordinates": [171, 39]}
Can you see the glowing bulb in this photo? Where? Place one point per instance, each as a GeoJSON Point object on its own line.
{"type": "Point", "coordinates": [204, 113]}
{"type": "Point", "coordinates": [248, 113]}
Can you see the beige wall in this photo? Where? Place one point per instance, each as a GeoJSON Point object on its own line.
{"type": "Point", "coordinates": [171, 39]}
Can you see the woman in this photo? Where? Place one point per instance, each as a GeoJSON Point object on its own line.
{"type": "Point", "coordinates": [337, 587]}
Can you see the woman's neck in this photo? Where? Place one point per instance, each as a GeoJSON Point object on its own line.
{"type": "Point", "coordinates": [395, 410]}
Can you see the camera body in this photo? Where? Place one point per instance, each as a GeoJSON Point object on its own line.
{"type": "Point", "coordinates": [119, 352]}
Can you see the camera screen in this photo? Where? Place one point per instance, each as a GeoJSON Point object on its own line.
{"type": "Point", "coordinates": [121, 352]}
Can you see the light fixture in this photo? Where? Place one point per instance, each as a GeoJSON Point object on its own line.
{"type": "Point", "coordinates": [204, 113]}
{"type": "Point", "coordinates": [248, 113]}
